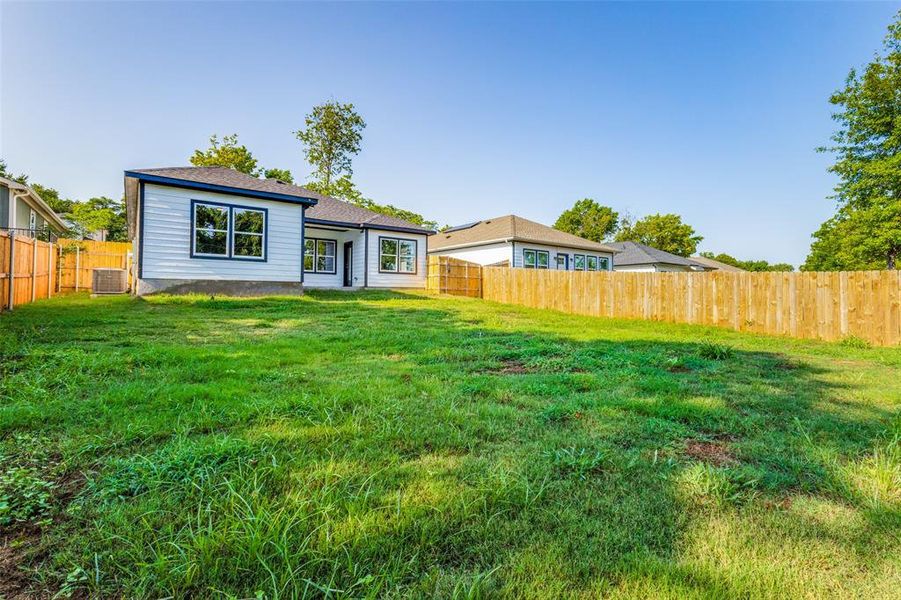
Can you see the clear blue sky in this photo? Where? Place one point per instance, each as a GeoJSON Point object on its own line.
{"type": "Point", "coordinates": [712, 111]}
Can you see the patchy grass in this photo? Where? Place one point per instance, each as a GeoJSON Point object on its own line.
{"type": "Point", "coordinates": [386, 444]}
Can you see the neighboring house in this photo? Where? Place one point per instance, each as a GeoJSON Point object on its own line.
{"type": "Point", "coordinates": [639, 257]}
{"type": "Point", "coordinates": [215, 230]}
{"type": "Point", "coordinates": [708, 264]}
{"type": "Point", "coordinates": [25, 213]}
{"type": "Point", "coordinates": [512, 240]}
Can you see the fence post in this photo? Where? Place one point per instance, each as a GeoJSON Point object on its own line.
{"type": "Point", "coordinates": [77, 266]}
{"type": "Point", "coordinates": [12, 269]}
{"type": "Point", "coordinates": [34, 267]}
{"type": "Point", "coordinates": [50, 277]}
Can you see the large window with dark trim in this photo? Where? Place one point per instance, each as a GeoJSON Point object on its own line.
{"type": "Point", "coordinates": [579, 262]}
{"type": "Point", "coordinates": [592, 263]}
{"type": "Point", "coordinates": [397, 255]}
{"type": "Point", "coordinates": [603, 263]}
{"type": "Point", "coordinates": [535, 259]}
{"type": "Point", "coordinates": [319, 256]}
{"type": "Point", "coordinates": [226, 231]}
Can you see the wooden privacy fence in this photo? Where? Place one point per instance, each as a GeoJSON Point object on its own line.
{"type": "Point", "coordinates": [27, 266]}
{"type": "Point", "coordinates": [79, 258]}
{"type": "Point", "coordinates": [453, 276]}
{"type": "Point", "coordinates": [829, 306]}
{"type": "Point", "coordinates": [31, 269]}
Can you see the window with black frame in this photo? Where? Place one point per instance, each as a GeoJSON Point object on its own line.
{"type": "Point", "coordinates": [319, 256]}
{"type": "Point", "coordinates": [397, 255]}
{"type": "Point", "coordinates": [225, 231]}
{"type": "Point", "coordinates": [579, 262]}
{"type": "Point", "coordinates": [535, 259]}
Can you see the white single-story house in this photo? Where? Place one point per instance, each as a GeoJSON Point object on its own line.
{"type": "Point", "coordinates": [518, 242]}
{"type": "Point", "coordinates": [215, 230]}
{"type": "Point", "coordinates": [23, 212]}
{"type": "Point", "coordinates": [640, 257]}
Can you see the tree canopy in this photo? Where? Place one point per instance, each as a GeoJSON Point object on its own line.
{"type": "Point", "coordinates": [589, 220]}
{"type": "Point", "coordinates": [227, 153]}
{"type": "Point", "coordinates": [345, 189]}
{"type": "Point", "coordinates": [748, 265]}
{"type": "Point", "coordinates": [279, 174]}
{"type": "Point", "coordinates": [865, 232]}
{"type": "Point", "coordinates": [99, 214]}
{"type": "Point", "coordinates": [664, 232]}
{"type": "Point", "coordinates": [331, 138]}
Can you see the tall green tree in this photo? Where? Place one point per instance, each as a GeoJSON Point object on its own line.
{"type": "Point", "coordinates": [100, 214]}
{"type": "Point", "coordinates": [664, 232]}
{"type": "Point", "coordinates": [866, 230]}
{"type": "Point", "coordinates": [52, 198]}
{"type": "Point", "coordinates": [331, 138]}
{"type": "Point", "coordinates": [227, 153]}
{"type": "Point", "coordinates": [589, 220]}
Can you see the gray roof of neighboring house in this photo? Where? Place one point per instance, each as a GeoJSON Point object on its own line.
{"type": "Point", "coordinates": [43, 207]}
{"type": "Point", "coordinates": [322, 208]}
{"type": "Point", "coordinates": [510, 228]}
{"type": "Point", "coordinates": [715, 264]}
{"type": "Point", "coordinates": [633, 253]}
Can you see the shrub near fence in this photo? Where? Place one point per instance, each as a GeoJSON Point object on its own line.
{"type": "Point", "coordinates": [829, 306]}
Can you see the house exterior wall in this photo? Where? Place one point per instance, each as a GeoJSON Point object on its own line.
{"type": "Point", "coordinates": [166, 244]}
{"type": "Point", "coordinates": [553, 251]}
{"type": "Point", "coordinates": [336, 280]}
{"type": "Point", "coordinates": [487, 254]}
{"type": "Point", "coordinates": [4, 206]}
{"type": "Point", "coordinates": [397, 280]}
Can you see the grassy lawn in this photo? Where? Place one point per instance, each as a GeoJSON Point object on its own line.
{"type": "Point", "coordinates": [386, 444]}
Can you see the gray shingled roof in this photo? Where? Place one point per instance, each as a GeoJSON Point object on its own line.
{"type": "Point", "coordinates": [510, 228]}
{"type": "Point", "coordinates": [633, 253]}
{"type": "Point", "coordinates": [327, 208]}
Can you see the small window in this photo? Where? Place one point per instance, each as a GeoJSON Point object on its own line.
{"type": "Point", "coordinates": [319, 256]}
{"type": "Point", "coordinates": [592, 263]}
{"type": "Point", "coordinates": [210, 230]}
{"type": "Point", "coordinates": [579, 262]}
{"type": "Point", "coordinates": [249, 229]}
{"type": "Point", "coordinates": [224, 231]}
{"type": "Point", "coordinates": [562, 262]}
{"type": "Point", "coordinates": [604, 263]}
{"type": "Point", "coordinates": [32, 220]}
{"type": "Point", "coordinates": [535, 259]}
{"type": "Point", "coordinates": [397, 255]}
{"type": "Point", "coordinates": [529, 259]}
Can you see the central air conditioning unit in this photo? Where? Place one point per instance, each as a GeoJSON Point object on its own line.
{"type": "Point", "coordinates": [109, 281]}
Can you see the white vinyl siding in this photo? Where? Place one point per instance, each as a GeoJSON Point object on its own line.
{"type": "Point", "coordinates": [336, 280]}
{"type": "Point", "coordinates": [167, 239]}
{"type": "Point", "coordinates": [488, 254]}
{"type": "Point", "coordinates": [554, 252]}
{"type": "Point", "coordinates": [396, 280]}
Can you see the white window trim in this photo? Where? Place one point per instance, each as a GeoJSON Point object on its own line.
{"type": "Point", "coordinates": [396, 256]}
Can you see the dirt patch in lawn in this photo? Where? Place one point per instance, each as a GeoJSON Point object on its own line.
{"type": "Point", "coordinates": [679, 369]}
{"type": "Point", "coordinates": [714, 452]}
{"type": "Point", "coordinates": [511, 366]}
{"type": "Point", "coordinates": [17, 546]}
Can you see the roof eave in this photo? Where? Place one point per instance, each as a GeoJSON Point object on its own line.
{"type": "Point", "coordinates": [416, 230]}
{"type": "Point", "coordinates": [223, 189]}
